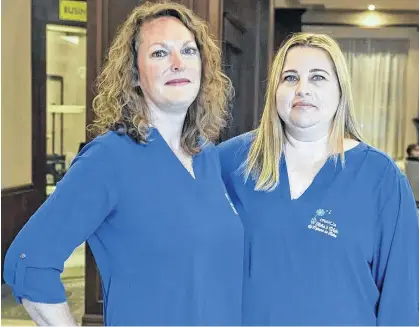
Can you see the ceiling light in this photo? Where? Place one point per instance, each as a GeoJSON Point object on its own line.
{"type": "Point", "coordinates": [371, 7]}
{"type": "Point", "coordinates": [371, 20]}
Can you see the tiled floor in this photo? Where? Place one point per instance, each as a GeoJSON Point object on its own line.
{"type": "Point", "coordinates": [13, 314]}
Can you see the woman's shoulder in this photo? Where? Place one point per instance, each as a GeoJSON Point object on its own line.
{"type": "Point", "coordinates": [233, 152]}
{"type": "Point", "coordinates": [237, 145]}
{"type": "Point", "coordinates": [110, 141]}
{"type": "Point", "coordinates": [381, 162]}
{"type": "Point", "coordinates": [375, 167]}
{"type": "Point", "coordinates": [102, 148]}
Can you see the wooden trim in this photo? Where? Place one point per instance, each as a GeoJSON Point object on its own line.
{"type": "Point", "coordinates": [220, 22]}
{"type": "Point", "coordinates": [93, 289]}
{"type": "Point", "coordinates": [92, 320]}
{"type": "Point", "coordinates": [103, 33]}
{"type": "Point", "coordinates": [97, 31]}
{"type": "Point", "coordinates": [38, 60]}
{"type": "Point", "coordinates": [211, 12]}
{"type": "Point", "coordinates": [10, 191]}
{"type": "Point", "coordinates": [416, 123]}
{"type": "Point", "coordinates": [44, 12]}
{"type": "Point", "coordinates": [215, 14]}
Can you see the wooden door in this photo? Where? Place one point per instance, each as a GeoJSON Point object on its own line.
{"type": "Point", "coordinates": [247, 50]}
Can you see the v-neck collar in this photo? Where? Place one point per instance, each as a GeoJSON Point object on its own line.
{"type": "Point", "coordinates": [323, 177]}
{"type": "Point", "coordinates": [321, 182]}
{"type": "Point", "coordinates": [154, 135]}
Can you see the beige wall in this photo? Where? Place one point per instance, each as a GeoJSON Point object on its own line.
{"type": "Point", "coordinates": [16, 129]}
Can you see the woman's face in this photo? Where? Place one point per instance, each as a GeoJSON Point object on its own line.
{"type": "Point", "coordinates": [169, 64]}
{"type": "Point", "coordinates": [308, 93]}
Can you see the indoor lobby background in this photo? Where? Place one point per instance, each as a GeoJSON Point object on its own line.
{"type": "Point", "coordinates": [52, 51]}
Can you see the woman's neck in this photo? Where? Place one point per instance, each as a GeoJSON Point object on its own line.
{"type": "Point", "coordinates": [313, 150]}
{"type": "Point", "coordinates": [169, 124]}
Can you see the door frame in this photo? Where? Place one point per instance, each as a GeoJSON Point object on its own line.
{"type": "Point", "coordinates": [19, 203]}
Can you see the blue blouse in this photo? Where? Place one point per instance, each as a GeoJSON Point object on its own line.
{"type": "Point", "coordinates": [169, 248]}
{"type": "Point", "coordinates": [346, 252]}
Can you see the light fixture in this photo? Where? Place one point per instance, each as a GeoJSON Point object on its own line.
{"type": "Point", "coordinates": [371, 7]}
{"type": "Point", "coordinates": [371, 20]}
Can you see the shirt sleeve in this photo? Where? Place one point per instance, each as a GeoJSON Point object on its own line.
{"type": "Point", "coordinates": [396, 258]}
{"type": "Point", "coordinates": [80, 203]}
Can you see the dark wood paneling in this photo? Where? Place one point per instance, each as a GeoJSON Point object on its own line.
{"type": "Point", "coordinates": [97, 25]}
{"type": "Point", "coordinates": [287, 22]}
{"type": "Point", "coordinates": [247, 49]}
{"type": "Point", "coordinates": [416, 123]}
{"type": "Point", "coordinates": [17, 205]}
{"type": "Point", "coordinates": [234, 59]}
{"type": "Point", "coordinates": [210, 11]}
{"type": "Point", "coordinates": [263, 53]}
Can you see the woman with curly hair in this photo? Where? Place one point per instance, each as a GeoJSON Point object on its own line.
{"type": "Point", "coordinates": [147, 192]}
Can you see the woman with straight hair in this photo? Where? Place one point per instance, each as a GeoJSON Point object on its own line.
{"type": "Point", "coordinates": [331, 227]}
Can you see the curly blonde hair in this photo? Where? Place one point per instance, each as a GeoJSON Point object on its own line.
{"type": "Point", "coordinates": [120, 105]}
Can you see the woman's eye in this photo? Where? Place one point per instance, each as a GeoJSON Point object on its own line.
{"type": "Point", "coordinates": [190, 51]}
{"type": "Point", "coordinates": [290, 78]}
{"type": "Point", "coordinates": [159, 53]}
{"type": "Point", "coordinates": [318, 78]}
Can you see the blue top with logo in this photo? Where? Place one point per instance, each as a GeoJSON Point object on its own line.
{"type": "Point", "coordinates": [169, 248]}
{"type": "Point", "coordinates": [346, 252]}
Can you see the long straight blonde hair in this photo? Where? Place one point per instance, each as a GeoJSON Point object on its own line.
{"type": "Point", "coordinates": [262, 163]}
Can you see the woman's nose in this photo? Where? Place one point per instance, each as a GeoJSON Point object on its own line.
{"type": "Point", "coordinates": [178, 63]}
{"type": "Point", "coordinates": [302, 88]}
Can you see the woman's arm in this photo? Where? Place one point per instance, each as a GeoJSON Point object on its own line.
{"type": "Point", "coordinates": [81, 202]}
{"type": "Point", "coordinates": [396, 259]}
{"type": "Point", "coordinates": [47, 314]}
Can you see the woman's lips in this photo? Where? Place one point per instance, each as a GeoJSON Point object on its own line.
{"type": "Point", "coordinates": [178, 82]}
{"type": "Point", "coordinates": [303, 105]}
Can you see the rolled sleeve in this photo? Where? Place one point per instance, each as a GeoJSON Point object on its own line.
{"type": "Point", "coordinates": [83, 199]}
{"type": "Point", "coordinates": [35, 284]}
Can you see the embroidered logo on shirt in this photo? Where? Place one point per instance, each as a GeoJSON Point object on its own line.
{"type": "Point", "coordinates": [231, 204]}
{"type": "Point", "coordinates": [320, 224]}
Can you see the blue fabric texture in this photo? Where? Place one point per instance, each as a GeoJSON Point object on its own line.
{"type": "Point", "coordinates": [346, 252]}
{"type": "Point", "coordinates": [169, 248]}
